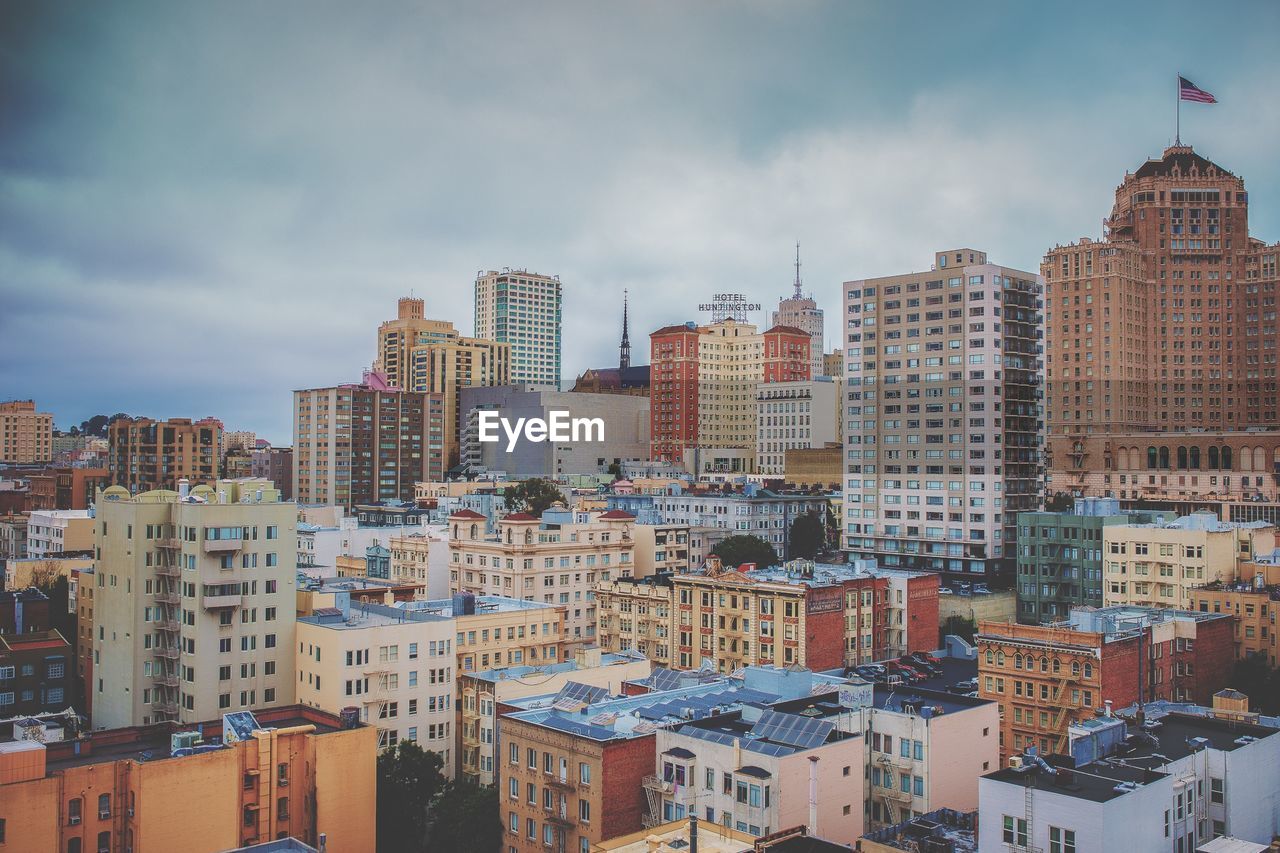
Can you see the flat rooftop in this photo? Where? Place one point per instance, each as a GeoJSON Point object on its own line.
{"type": "Point", "coordinates": [807, 573]}
{"type": "Point", "coordinates": [368, 614]}
{"type": "Point", "coordinates": [514, 673]}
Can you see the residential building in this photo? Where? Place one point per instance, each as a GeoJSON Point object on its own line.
{"type": "Point", "coordinates": [13, 536]}
{"type": "Point", "coordinates": [59, 531]}
{"type": "Point", "coordinates": [23, 611]}
{"type": "Point", "coordinates": [1060, 556]}
{"type": "Point", "coordinates": [677, 835]}
{"type": "Point", "coordinates": [430, 356]}
{"type": "Point", "coordinates": [410, 557]}
{"type": "Point", "coordinates": [792, 415]}
{"type": "Point", "coordinates": [1148, 781]}
{"type": "Point", "coordinates": [1047, 678]}
{"type": "Point", "coordinates": [26, 436]}
{"type": "Point", "coordinates": [660, 547]}
{"type": "Point", "coordinates": [83, 687]}
{"type": "Point", "coordinates": [274, 464]}
{"type": "Point", "coordinates": [364, 443]}
{"type": "Point", "coordinates": [833, 364]}
{"type": "Point", "coordinates": [766, 513]}
{"type": "Point", "coordinates": [522, 309]}
{"type": "Point", "coordinates": [396, 667]}
{"type": "Point", "coordinates": [146, 454]}
{"type": "Point", "coordinates": [1159, 565]}
{"type": "Point", "coordinates": [975, 605]}
{"type": "Point", "coordinates": [239, 439]}
{"type": "Point", "coordinates": [799, 311]}
{"type": "Point", "coordinates": [41, 571]}
{"type": "Point", "coordinates": [703, 393]}
{"type": "Point", "coordinates": [635, 614]}
{"type": "Point", "coordinates": [193, 604]}
{"type": "Point", "coordinates": [622, 434]}
{"type": "Point", "coordinates": [943, 428]}
{"type": "Point", "coordinates": [556, 560]}
{"type": "Point", "coordinates": [36, 673]}
{"type": "Point", "coordinates": [1253, 603]}
{"type": "Point", "coordinates": [481, 695]}
{"type": "Point", "coordinates": [208, 787]}
{"type": "Point", "coordinates": [1157, 339]}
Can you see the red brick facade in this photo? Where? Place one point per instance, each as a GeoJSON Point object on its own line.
{"type": "Point", "coordinates": [673, 391]}
{"type": "Point", "coordinates": [922, 613]}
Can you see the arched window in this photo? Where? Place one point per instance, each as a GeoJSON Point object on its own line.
{"type": "Point", "coordinates": [1182, 458]}
{"type": "Point", "coordinates": [455, 531]}
{"type": "Point", "coordinates": [1151, 457]}
{"type": "Point", "coordinates": [1246, 459]}
{"type": "Point", "coordinates": [1164, 457]}
{"type": "Point", "coordinates": [473, 531]}
{"type": "Point", "coordinates": [1226, 458]}
{"type": "Point", "coordinates": [1075, 668]}
{"type": "Point", "coordinates": [1213, 457]}
{"type": "Point", "coordinates": [1017, 661]}
{"type": "Point", "coordinates": [999, 658]}
{"type": "Point", "coordinates": [990, 657]}
{"type": "Point", "coordinates": [1057, 666]}
{"type": "Point", "coordinates": [73, 845]}
{"type": "Point", "coordinates": [508, 535]}
{"type": "Point", "coordinates": [1088, 670]}
{"type": "Point", "coordinates": [528, 537]}
{"type": "Point", "coordinates": [1195, 458]}
{"type": "Point", "coordinates": [1044, 664]}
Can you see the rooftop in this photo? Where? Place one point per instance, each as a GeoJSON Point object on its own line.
{"type": "Point", "coordinates": [956, 827]}
{"type": "Point", "coordinates": [1122, 619]}
{"type": "Point", "coordinates": [369, 615]}
{"type": "Point", "coordinates": [1203, 520]}
{"type": "Point", "coordinates": [518, 673]}
{"type": "Point", "coordinates": [811, 574]}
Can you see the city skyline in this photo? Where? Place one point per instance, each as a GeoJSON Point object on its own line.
{"type": "Point", "coordinates": [255, 192]}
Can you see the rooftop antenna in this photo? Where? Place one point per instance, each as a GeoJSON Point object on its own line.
{"type": "Point", "coordinates": [798, 269]}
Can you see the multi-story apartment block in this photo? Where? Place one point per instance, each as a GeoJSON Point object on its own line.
{"type": "Point", "coordinates": [522, 309]}
{"type": "Point", "coordinates": [83, 687]}
{"type": "Point", "coordinates": [417, 354]}
{"type": "Point", "coordinates": [410, 558]}
{"type": "Point", "coordinates": [396, 666]}
{"type": "Point", "coordinates": [660, 546]}
{"type": "Point", "coordinates": [943, 426]}
{"type": "Point", "coordinates": [833, 365]}
{"type": "Point", "coordinates": [193, 604]}
{"type": "Point", "coordinates": [222, 784]}
{"type": "Point", "coordinates": [365, 443]}
{"type": "Point", "coordinates": [145, 454]}
{"type": "Point", "coordinates": [1060, 556]}
{"type": "Point", "coordinates": [482, 695]}
{"type": "Point", "coordinates": [36, 673]}
{"type": "Point", "coordinates": [274, 464]}
{"type": "Point", "coordinates": [767, 514]}
{"type": "Point", "coordinates": [703, 383]}
{"type": "Point", "coordinates": [1160, 344]}
{"type": "Point", "coordinates": [1159, 565]}
{"type": "Point", "coordinates": [1154, 780]}
{"type": "Point", "coordinates": [1253, 601]}
{"type": "Point", "coordinates": [556, 560]}
{"type": "Point", "coordinates": [13, 536]}
{"type": "Point", "coordinates": [802, 312]}
{"type": "Point", "coordinates": [635, 614]}
{"type": "Point", "coordinates": [1047, 678]}
{"type": "Point", "coordinates": [792, 415]}
{"type": "Point", "coordinates": [26, 436]}
{"type": "Point", "coordinates": [58, 531]}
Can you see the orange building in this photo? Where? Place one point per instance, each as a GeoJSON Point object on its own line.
{"type": "Point", "coordinates": [294, 772]}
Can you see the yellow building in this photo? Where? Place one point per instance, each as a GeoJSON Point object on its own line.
{"type": "Point", "coordinates": [661, 548]}
{"type": "Point", "coordinates": [26, 436]}
{"type": "Point", "coordinates": [40, 571]}
{"type": "Point", "coordinates": [1158, 565]}
{"type": "Point", "coordinates": [555, 560]}
{"type": "Point", "coordinates": [635, 614]}
{"type": "Point", "coordinates": [409, 555]}
{"type": "Point", "coordinates": [291, 772]}
{"type": "Point", "coordinates": [1253, 600]}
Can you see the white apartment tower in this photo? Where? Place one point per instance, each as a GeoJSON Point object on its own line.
{"type": "Point", "coordinates": [194, 603]}
{"type": "Point", "coordinates": [522, 309]}
{"type": "Point", "coordinates": [944, 414]}
{"type": "Point", "coordinates": [802, 312]}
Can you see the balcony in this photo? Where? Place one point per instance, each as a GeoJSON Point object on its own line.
{"type": "Point", "coordinates": [167, 625]}
{"type": "Point", "coordinates": [217, 600]}
{"type": "Point", "coordinates": [166, 597]}
{"type": "Point", "coordinates": [166, 679]}
{"type": "Point", "coordinates": [168, 571]}
{"type": "Point", "coordinates": [168, 652]}
{"type": "Point", "coordinates": [169, 543]}
{"type": "Point", "coordinates": [222, 546]}
{"type": "Point", "coordinates": [168, 709]}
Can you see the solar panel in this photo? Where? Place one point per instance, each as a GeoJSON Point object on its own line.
{"type": "Point", "coordinates": [579, 692]}
{"type": "Point", "coordinates": [793, 730]}
{"type": "Point", "coordinates": [664, 679]}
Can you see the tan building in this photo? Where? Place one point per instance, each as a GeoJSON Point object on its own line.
{"type": "Point", "coordinates": [409, 558]}
{"type": "Point", "coordinates": [790, 415]}
{"type": "Point", "coordinates": [26, 436]}
{"type": "Point", "coordinates": [85, 586]}
{"type": "Point", "coordinates": [822, 467]}
{"type": "Point", "coordinates": [40, 571]}
{"type": "Point", "coordinates": [1159, 337]}
{"type": "Point", "coordinates": [675, 836]}
{"type": "Point", "coordinates": [287, 772]}
{"type": "Point", "coordinates": [482, 694]}
{"type": "Point", "coordinates": [193, 604]}
{"type": "Point", "coordinates": [365, 443]}
{"type": "Point", "coordinates": [556, 560]}
{"type": "Point", "coordinates": [1159, 565]}
{"type": "Point", "coordinates": [1000, 605]}
{"type": "Point", "coordinates": [522, 309]}
{"type": "Point", "coordinates": [59, 531]}
{"type": "Point", "coordinates": [634, 614]}
{"type": "Point", "coordinates": [144, 454]}
{"type": "Point", "coordinates": [418, 354]}
{"type": "Point", "coordinates": [1253, 603]}
{"type": "Point", "coordinates": [660, 548]}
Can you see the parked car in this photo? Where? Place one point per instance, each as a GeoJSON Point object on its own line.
{"type": "Point", "coordinates": [907, 672]}
{"type": "Point", "coordinates": [921, 666]}
{"type": "Point", "coordinates": [967, 686]}
{"type": "Point", "coordinates": [925, 656]}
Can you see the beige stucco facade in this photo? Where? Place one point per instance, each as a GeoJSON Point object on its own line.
{"type": "Point", "coordinates": [26, 436]}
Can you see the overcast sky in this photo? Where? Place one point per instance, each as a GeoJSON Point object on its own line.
{"type": "Point", "coordinates": [205, 206]}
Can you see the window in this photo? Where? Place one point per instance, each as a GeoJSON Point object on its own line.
{"type": "Point", "coordinates": [1215, 790]}
{"type": "Point", "coordinates": [104, 806]}
{"type": "Point", "coordinates": [74, 809]}
{"type": "Point", "coordinates": [1015, 831]}
{"type": "Point", "coordinates": [73, 845]}
{"type": "Point", "coordinates": [104, 842]}
{"type": "Point", "coordinates": [1062, 840]}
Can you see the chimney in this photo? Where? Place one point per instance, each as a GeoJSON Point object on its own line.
{"type": "Point", "coordinates": [1107, 705]}
{"type": "Point", "coordinates": [813, 796]}
{"type": "Point", "coordinates": [693, 832]}
{"type": "Point", "coordinates": [184, 488]}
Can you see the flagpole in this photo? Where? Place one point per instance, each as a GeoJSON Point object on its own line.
{"type": "Point", "coordinates": [1177, 111]}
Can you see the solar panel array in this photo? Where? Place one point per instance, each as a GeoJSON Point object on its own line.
{"type": "Point", "coordinates": [664, 679]}
{"type": "Point", "coordinates": [792, 729]}
{"type": "Point", "coordinates": [579, 692]}
{"type": "Point", "coordinates": [726, 739]}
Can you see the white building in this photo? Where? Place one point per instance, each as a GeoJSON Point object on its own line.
{"type": "Point", "coordinates": [802, 312]}
{"type": "Point", "coordinates": [54, 531]}
{"type": "Point", "coordinates": [789, 415]}
{"type": "Point", "coordinates": [522, 309]}
{"type": "Point", "coordinates": [755, 511]}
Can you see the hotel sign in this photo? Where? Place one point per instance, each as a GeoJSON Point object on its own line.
{"type": "Point", "coordinates": [729, 306]}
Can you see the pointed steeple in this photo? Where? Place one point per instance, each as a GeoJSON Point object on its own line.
{"type": "Point", "coordinates": [624, 349]}
{"type": "Point", "coordinates": [798, 269]}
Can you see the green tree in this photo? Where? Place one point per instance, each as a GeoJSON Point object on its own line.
{"type": "Point", "coordinates": [409, 783]}
{"type": "Point", "coordinates": [736, 550]}
{"type": "Point", "coordinates": [808, 536]}
{"type": "Point", "coordinates": [466, 817]}
{"type": "Point", "coordinates": [615, 470]}
{"type": "Point", "coordinates": [1059, 502]}
{"type": "Point", "coordinates": [533, 496]}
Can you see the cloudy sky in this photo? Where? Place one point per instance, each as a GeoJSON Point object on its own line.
{"type": "Point", "coordinates": [204, 206]}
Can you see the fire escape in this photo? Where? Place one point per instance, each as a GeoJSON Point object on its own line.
{"type": "Point", "coordinates": [168, 598]}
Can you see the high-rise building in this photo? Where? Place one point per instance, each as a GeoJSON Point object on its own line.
{"type": "Point", "coordinates": [523, 309]}
{"type": "Point", "coordinates": [361, 444]}
{"type": "Point", "coordinates": [417, 354]}
{"type": "Point", "coordinates": [146, 454]}
{"type": "Point", "coordinates": [802, 312]}
{"type": "Point", "coordinates": [792, 415]}
{"type": "Point", "coordinates": [943, 427]}
{"type": "Point", "coordinates": [194, 603]}
{"type": "Point", "coordinates": [26, 436]}
{"type": "Point", "coordinates": [704, 381]}
{"type": "Point", "coordinates": [1161, 364]}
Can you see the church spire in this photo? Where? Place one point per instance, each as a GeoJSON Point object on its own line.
{"type": "Point", "coordinates": [624, 349]}
{"type": "Point", "coordinates": [798, 269]}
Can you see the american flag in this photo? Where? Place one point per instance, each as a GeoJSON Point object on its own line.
{"type": "Point", "coordinates": [1188, 91]}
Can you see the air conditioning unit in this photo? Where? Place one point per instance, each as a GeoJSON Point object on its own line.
{"type": "Point", "coordinates": [1015, 762]}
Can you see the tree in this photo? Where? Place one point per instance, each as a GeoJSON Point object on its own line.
{"type": "Point", "coordinates": [615, 470]}
{"type": "Point", "coordinates": [409, 783]}
{"type": "Point", "coordinates": [808, 536]}
{"type": "Point", "coordinates": [958, 625]}
{"type": "Point", "coordinates": [736, 550]}
{"type": "Point", "coordinates": [466, 817]}
{"type": "Point", "coordinates": [533, 496]}
{"type": "Point", "coordinates": [1059, 502]}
